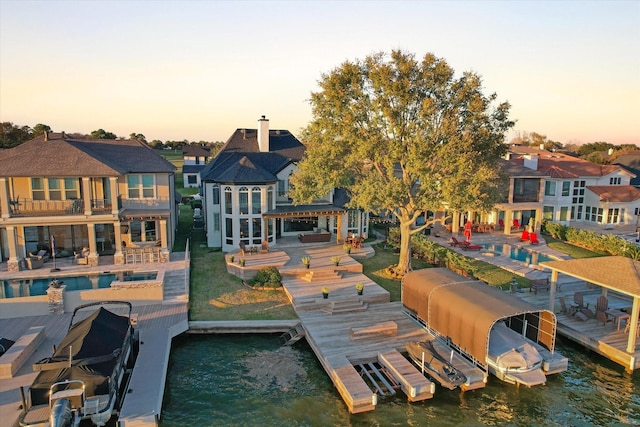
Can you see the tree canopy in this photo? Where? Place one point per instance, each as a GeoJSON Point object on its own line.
{"type": "Point", "coordinates": [12, 135]}
{"type": "Point", "coordinates": [103, 134]}
{"type": "Point", "coordinates": [403, 136]}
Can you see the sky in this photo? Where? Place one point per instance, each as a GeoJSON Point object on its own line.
{"type": "Point", "coordinates": [198, 70]}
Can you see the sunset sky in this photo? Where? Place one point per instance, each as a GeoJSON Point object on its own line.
{"type": "Point", "coordinates": [197, 70]}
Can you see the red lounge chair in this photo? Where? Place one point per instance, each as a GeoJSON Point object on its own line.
{"type": "Point", "coordinates": [516, 224]}
{"type": "Point", "coordinates": [455, 242]}
{"type": "Point", "coordinates": [525, 236]}
{"type": "Point", "coordinates": [533, 238]}
{"type": "Point", "coordinates": [467, 246]}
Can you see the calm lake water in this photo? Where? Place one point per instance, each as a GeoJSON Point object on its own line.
{"type": "Point", "coordinates": [251, 380]}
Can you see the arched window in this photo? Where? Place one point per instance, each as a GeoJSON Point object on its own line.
{"type": "Point", "coordinates": [228, 206]}
{"type": "Point", "coordinates": [256, 200]}
{"type": "Point", "coordinates": [243, 195]}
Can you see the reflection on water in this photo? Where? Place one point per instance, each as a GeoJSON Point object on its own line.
{"type": "Point", "coordinates": [247, 380]}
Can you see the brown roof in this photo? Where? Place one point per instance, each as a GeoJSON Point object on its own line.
{"type": "Point", "coordinates": [613, 272]}
{"type": "Point", "coordinates": [68, 155]}
{"type": "Point", "coordinates": [558, 165]}
{"type": "Point", "coordinates": [616, 193]}
{"type": "Point", "coordinates": [465, 310]}
{"type": "Point", "coordinates": [196, 151]}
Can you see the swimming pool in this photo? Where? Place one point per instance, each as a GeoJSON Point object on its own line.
{"type": "Point", "coordinates": [12, 288]}
{"type": "Point", "coordinates": [518, 254]}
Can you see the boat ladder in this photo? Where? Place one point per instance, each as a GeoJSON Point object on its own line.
{"type": "Point", "coordinates": [378, 378]}
{"type": "Point", "coordinates": [293, 336]}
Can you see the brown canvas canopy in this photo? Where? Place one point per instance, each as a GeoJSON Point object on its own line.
{"type": "Point", "coordinates": [464, 310]}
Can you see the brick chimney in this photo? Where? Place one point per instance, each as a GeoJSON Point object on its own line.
{"type": "Point", "coordinates": [263, 134]}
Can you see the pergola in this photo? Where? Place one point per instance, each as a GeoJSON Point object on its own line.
{"type": "Point", "coordinates": [617, 273]}
{"type": "Point", "coordinates": [307, 211]}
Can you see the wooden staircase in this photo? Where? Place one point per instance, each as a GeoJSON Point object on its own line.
{"type": "Point", "coordinates": [320, 275]}
{"type": "Point", "coordinates": [293, 336]}
{"type": "Point", "coordinates": [345, 306]}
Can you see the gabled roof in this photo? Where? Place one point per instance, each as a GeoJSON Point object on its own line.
{"type": "Point", "coordinates": [240, 159]}
{"type": "Point", "coordinates": [558, 165]}
{"type": "Point", "coordinates": [616, 193]}
{"type": "Point", "coordinates": [63, 155]}
{"type": "Point", "coordinates": [192, 168]}
{"type": "Point", "coordinates": [631, 161]}
{"type": "Point", "coordinates": [515, 169]}
{"type": "Point", "coordinates": [195, 151]}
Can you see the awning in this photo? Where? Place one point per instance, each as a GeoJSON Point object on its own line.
{"type": "Point", "coordinates": [464, 310]}
{"type": "Point", "coordinates": [291, 211]}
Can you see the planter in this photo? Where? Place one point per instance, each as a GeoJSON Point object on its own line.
{"type": "Point", "coordinates": [360, 292]}
{"type": "Point", "coordinates": [325, 296]}
{"type": "Point", "coordinates": [307, 265]}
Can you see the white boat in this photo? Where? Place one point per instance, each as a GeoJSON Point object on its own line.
{"type": "Point", "coordinates": [513, 359]}
{"type": "Point", "coordinates": [425, 355]}
{"type": "Point", "coordinates": [83, 379]}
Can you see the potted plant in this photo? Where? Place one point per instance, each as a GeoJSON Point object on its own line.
{"type": "Point", "coordinates": [325, 292]}
{"type": "Point", "coordinates": [346, 248]}
{"type": "Point", "coordinates": [231, 258]}
{"type": "Point", "coordinates": [336, 260]}
{"type": "Point", "coordinates": [359, 288]}
{"type": "Point", "coordinates": [306, 261]}
{"type": "Point", "coordinates": [242, 261]}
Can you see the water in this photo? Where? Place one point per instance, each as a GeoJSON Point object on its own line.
{"type": "Point", "coordinates": [519, 254]}
{"type": "Point", "coordinates": [12, 288]}
{"type": "Point", "coordinates": [250, 380]}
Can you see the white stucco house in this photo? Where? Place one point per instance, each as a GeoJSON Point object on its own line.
{"type": "Point", "coordinates": [245, 195]}
{"type": "Point", "coordinates": [195, 159]}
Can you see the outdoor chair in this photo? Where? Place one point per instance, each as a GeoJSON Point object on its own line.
{"type": "Point", "coordinates": [467, 246]}
{"type": "Point", "coordinates": [568, 310]}
{"type": "Point", "coordinates": [454, 242]}
{"type": "Point", "coordinates": [602, 304]}
{"type": "Point", "coordinates": [525, 236]}
{"type": "Point", "coordinates": [34, 263]}
{"type": "Point", "coordinates": [601, 316]}
{"type": "Point", "coordinates": [243, 248]}
{"type": "Point", "coordinates": [533, 239]}
{"type": "Point", "coordinates": [578, 298]}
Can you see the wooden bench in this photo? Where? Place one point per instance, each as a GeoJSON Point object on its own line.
{"type": "Point", "coordinates": [18, 353]}
{"type": "Point", "coordinates": [539, 285]}
{"type": "Point", "coordinates": [389, 328]}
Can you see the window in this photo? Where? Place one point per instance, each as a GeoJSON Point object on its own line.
{"type": "Point", "coordinates": [282, 188]}
{"type": "Point", "coordinates": [616, 180]}
{"type": "Point", "coordinates": [243, 196]}
{"type": "Point", "coordinates": [71, 188]}
{"type": "Point", "coordinates": [549, 188]}
{"type": "Point", "coordinates": [215, 197]}
{"type": "Point", "coordinates": [256, 200]}
{"type": "Point", "coordinates": [228, 225]}
{"type": "Point", "coordinates": [141, 186]}
{"type": "Point", "coordinates": [192, 179]}
{"type": "Point", "coordinates": [564, 213]}
{"type": "Point", "coordinates": [547, 213]}
{"type": "Point", "coordinates": [352, 221]}
{"type": "Point", "coordinates": [270, 204]}
{"type": "Point", "coordinates": [216, 221]}
{"type": "Point", "coordinates": [566, 188]}
{"type": "Point", "coordinates": [37, 189]}
{"type": "Point", "coordinates": [525, 190]}
{"type": "Point", "coordinates": [228, 207]}
{"type": "Point", "coordinates": [612, 216]}
{"type": "Point", "coordinates": [54, 188]}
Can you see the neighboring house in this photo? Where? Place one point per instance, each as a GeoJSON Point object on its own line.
{"type": "Point", "coordinates": [195, 160]}
{"type": "Point", "coordinates": [102, 194]}
{"type": "Point", "coordinates": [631, 161]}
{"type": "Point", "coordinates": [576, 190]}
{"type": "Point", "coordinates": [245, 193]}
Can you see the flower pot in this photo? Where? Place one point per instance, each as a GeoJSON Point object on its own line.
{"type": "Point", "coordinates": [308, 265]}
{"type": "Point", "coordinates": [360, 292]}
{"type": "Point", "coordinates": [325, 295]}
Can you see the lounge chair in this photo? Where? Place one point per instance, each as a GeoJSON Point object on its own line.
{"type": "Point", "coordinates": [516, 224]}
{"type": "Point", "coordinates": [601, 316]}
{"type": "Point", "coordinates": [467, 246]}
{"type": "Point", "coordinates": [533, 239]}
{"type": "Point", "coordinates": [455, 242]}
{"type": "Point", "coordinates": [42, 254]}
{"type": "Point", "coordinates": [568, 310]}
{"type": "Point", "coordinates": [525, 236]}
{"type": "Point", "coordinates": [34, 263]}
{"type": "Point", "coordinates": [602, 304]}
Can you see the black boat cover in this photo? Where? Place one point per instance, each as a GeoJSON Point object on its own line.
{"type": "Point", "coordinates": [95, 344]}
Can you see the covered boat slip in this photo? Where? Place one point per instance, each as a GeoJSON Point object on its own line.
{"type": "Point", "coordinates": [463, 312]}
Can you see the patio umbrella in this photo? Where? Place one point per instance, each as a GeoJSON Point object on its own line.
{"type": "Point", "coordinates": [467, 230]}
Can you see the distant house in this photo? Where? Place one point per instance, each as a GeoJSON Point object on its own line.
{"type": "Point", "coordinates": [100, 194]}
{"type": "Point", "coordinates": [631, 161]}
{"type": "Point", "coordinates": [195, 159]}
{"type": "Point", "coordinates": [246, 200]}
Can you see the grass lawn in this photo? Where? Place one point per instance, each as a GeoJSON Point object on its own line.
{"type": "Point", "coordinates": [571, 250]}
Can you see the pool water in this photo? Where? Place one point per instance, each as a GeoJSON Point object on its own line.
{"type": "Point", "coordinates": [519, 254]}
{"type": "Point", "coordinates": [12, 288]}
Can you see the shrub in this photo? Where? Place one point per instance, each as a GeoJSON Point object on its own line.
{"type": "Point", "coordinates": [268, 277]}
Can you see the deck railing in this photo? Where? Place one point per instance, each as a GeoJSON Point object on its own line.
{"type": "Point", "coordinates": [30, 207]}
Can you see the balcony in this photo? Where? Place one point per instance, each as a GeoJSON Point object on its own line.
{"type": "Point", "coordinates": [33, 208]}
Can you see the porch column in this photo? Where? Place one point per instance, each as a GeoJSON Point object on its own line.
{"type": "Point", "coordinates": [118, 256]}
{"type": "Point", "coordinates": [86, 197]}
{"type": "Point", "coordinates": [338, 229]}
{"type": "Point", "coordinates": [633, 327]}
{"type": "Point", "coordinates": [552, 291]}
{"type": "Point", "coordinates": [92, 259]}
{"type": "Point", "coordinates": [508, 221]}
{"type": "Point", "coordinates": [113, 184]}
{"type": "Point", "coordinates": [4, 198]}
{"type": "Point", "coordinates": [13, 263]}
{"type": "Point", "coordinates": [455, 222]}
{"type": "Point", "coordinates": [163, 234]}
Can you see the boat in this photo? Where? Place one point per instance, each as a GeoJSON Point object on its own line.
{"type": "Point", "coordinates": [497, 331]}
{"type": "Point", "coordinates": [513, 359]}
{"type": "Point", "coordinates": [85, 377]}
{"type": "Point", "coordinates": [426, 356]}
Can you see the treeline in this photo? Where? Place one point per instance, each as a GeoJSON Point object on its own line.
{"type": "Point", "coordinates": [12, 135]}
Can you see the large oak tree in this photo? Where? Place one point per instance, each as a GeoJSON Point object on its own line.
{"type": "Point", "coordinates": [403, 136]}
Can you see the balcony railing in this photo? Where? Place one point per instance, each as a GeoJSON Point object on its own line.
{"type": "Point", "coordinates": [30, 207]}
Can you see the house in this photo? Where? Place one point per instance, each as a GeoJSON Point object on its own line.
{"type": "Point", "coordinates": [195, 159]}
{"type": "Point", "coordinates": [576, 190]}
{"type": "Point", "coordinates": [630, 160]}
{"type": "Point", "coordinates": [245, 194]}
{"type": "Point", "coordinates": [73, 192]}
